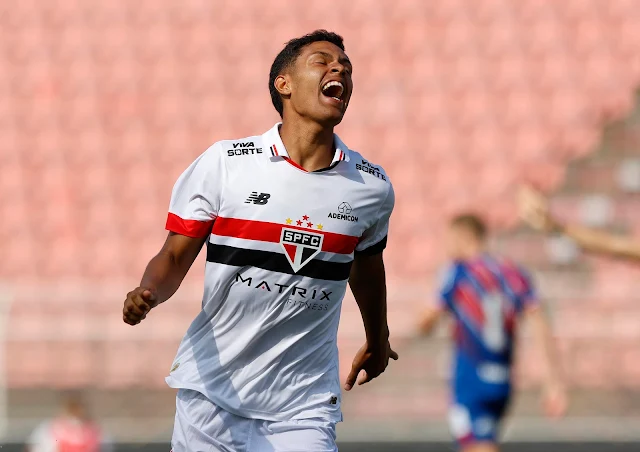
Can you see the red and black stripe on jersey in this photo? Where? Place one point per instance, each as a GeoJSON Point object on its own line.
{"type": "Point", "coordinates": [276, 261]}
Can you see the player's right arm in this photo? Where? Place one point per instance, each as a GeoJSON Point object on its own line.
{"type": "Point", "coordinates": [430, 317]}
{"type": "Point", "coordinates": [162, 277]}
{"type": "Point", "coordinates": [195, 201]}
{"type": "Point", "coordinates": [535, 211]}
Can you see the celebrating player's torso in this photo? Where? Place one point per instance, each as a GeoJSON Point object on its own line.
{"type": "Point", "coordinates": [278, 260]}
{"type": "Point", "coordinates": [485, 295]}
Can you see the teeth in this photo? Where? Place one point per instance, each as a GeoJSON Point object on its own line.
{"type": "Point", "coordinates": [334, 83]}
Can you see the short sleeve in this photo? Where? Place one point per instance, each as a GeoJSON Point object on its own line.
{"type": "Point", "coordinates": [446, 287]}
{"type": "Point", "coordinates": [374, 239]}
{"type": "Point", "coordinates": [40, 439]}
{"type": "Point", "coordinates": [527, 293]}
{"type": "Point", "coordinates": [195, 199]}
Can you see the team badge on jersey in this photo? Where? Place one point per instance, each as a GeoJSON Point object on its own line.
{"type": "Point", "coordinates": [300, 246]}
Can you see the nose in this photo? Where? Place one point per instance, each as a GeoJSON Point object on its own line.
{"type": "Point", "coordinates": [337, 68]}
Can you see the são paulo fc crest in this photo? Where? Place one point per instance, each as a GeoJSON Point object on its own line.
{"type": "Point", "coordinates": [300, 246]}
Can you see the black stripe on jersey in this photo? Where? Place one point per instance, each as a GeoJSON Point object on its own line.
{"type": "Point", "coordinates": [374, 249]}
{"type": "Point", "coordinates": [332, 166]}
{"type": "Point", "coordinates": [276, 262]}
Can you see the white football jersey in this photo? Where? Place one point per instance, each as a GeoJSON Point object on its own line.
{"type": "Point", "coordinates": [281, 243]}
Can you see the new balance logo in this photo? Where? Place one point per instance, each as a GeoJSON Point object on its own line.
{"type": "Point", "coordinates": [258, 198]}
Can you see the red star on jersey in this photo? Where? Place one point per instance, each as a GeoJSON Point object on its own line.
{"type": "Point", "coordinates": [305, 217]}
{"type": "Point", "coordinates": [299, 223]}
{"type": "Point", "coordinates": [309, 224]}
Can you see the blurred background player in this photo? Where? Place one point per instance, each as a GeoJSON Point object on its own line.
{"type": "Point", "coordinates": [485, 295]}
{"type": "Point", "coordinates": [72, 430]}
{"type": "Point", "coordinates": [534, 210]}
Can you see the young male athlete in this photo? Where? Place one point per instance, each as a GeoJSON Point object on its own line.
{"type": "Point", "coordinates": [534, 210]}
{"type": "Point", "coordinates": [288, 217]}
{"type": "Point", "coordinates": [485, 295]}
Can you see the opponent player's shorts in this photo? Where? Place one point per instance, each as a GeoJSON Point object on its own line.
{"type": "Point", "coordinates": [476, 421]}
{"type": "Point", "coordinates": [200, 425]}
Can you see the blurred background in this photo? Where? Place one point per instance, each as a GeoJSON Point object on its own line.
{"type": "Point", "coordinates": [103, 103]}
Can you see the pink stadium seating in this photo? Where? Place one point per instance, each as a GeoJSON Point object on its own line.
{"type": "Point", "coordinates": [460, 101]}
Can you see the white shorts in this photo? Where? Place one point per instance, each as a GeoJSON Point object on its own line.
{"type": "Point", "coordinates": [201, 426]}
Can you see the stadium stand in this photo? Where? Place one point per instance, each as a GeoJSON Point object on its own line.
{"type": "Point", "coordinates": [103, 104]}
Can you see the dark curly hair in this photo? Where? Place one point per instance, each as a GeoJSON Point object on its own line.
{"type": "Point", "coordinates": [288, 55]}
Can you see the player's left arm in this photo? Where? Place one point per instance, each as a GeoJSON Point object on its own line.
{"type": "Point", "coordinates": [541, 330]}
{"type": "Point", "coordinates": [554, 391]}
{"type": "Point", "coordinates": [369, 287]}
{"type": "Point", "coordinates": [367, 281]}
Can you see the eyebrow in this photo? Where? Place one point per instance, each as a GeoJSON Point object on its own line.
{"type": "Point", "coordinates": [342, 60]}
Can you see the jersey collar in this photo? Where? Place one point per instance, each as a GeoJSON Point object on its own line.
{"type": "Point", "coordinates": [279, 152]}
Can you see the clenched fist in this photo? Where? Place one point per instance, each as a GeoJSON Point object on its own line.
{"type": "Point", "coordinates": [138, 303]}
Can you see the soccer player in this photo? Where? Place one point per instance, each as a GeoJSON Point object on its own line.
{"type": "Point", "coordinates": [534, 210]}
{"type": "Point", "coordinates": [71, 430]}
{"type": "Point", "coordinates": [288, 218]}
{"type": "Point", "coordinates": [485, 295]}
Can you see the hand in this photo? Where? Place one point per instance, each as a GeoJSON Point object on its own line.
{"type": "Point", "coordinates": [555, 401]}
{"type": "Point", "coordinates": [534, 210]}
{"type": "Point", "coordinates": [138, 304]}
{"type": "Point", "coordinates": [373, 361]}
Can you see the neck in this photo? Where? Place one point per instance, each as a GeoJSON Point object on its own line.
{"type": "Point", "coordinates": [474, 252]}
{"type": "Point", "coordinates": [308, 143]}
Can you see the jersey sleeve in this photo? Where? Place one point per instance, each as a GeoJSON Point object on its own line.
{"type": "Point", "coordinates": [374, 239]}
{"type": "Point", "coordinates": [195, 199]}
{"type": "Point", "coordinates": [40, 439]}
{"type": "Point", "coordinates": [446, 287]}
{"type": "Point", "coordinates": [527, 293]}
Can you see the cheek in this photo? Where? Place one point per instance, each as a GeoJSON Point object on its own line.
{"type": "Point", "coordinates": [305, 82]}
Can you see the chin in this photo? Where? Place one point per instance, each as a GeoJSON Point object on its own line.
{"type": "Point", "coordinates": [331, 119]}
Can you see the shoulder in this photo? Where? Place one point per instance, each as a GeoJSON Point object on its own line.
{"type": "Point", "coordinates": [241, 147]}
{"type": "Point", "coordinates": [370, 171]}
{"type": "Point", "coordinates": [230, 153]}
{"type": "Point", "coordinates": [449, 274]}
{"type": "Point", "coordinates": [41, 433]}
{"type": "Point", "coordinates": [509, 265]}
{"type": "Point", "coordinates": [374, 177]}
{"type": "Point", "coordinates": [516, 274]}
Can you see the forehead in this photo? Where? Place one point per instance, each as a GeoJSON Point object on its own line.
{"type": "Point", "coordinates": [325, 47]}
{"type": "Point", "coordinates": [457, 228]}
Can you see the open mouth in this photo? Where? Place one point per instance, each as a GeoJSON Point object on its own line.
{"type": "Point", "coordinates": [334, 90]}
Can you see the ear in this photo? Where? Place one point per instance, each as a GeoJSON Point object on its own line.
{"type": "Point", "coordinates": [283, 85]}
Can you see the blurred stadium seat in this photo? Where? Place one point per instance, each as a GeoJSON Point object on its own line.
{"type": "Point", "coordinates": [103, 104]}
